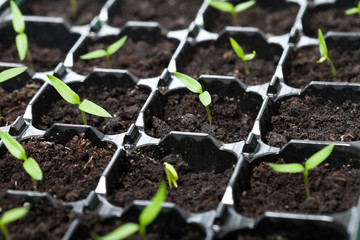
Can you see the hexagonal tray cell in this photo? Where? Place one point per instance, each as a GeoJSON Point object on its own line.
{"type": "Point", "coordinates": [301, 67]}
{"type": "Point", "coordinates": [146, 52]}
{"type": "Point", "coordinates": [173, 14]}
{"type": "Point", "coordinates": [273, 18]}
{"type": "Point", "coordinates": [86, 9]}
{"type": "Point", "coordinates": [218, 57]}
{"type": "Point", "coordinates": [120, 96]}
{"type": "Point", "coordinates": [72, 160]}
{"type": "Point", "coordinates": [49, 42]}
{"type": "Point", "coordinates": [204, 171]}
{"type": "Point", "coordinates": [233, 110]}
{"type": "Point", "coordinates": [324, 112]}
{"type": "Point", "coordinates": [15, 95]}
{"type": "Point", "coordinates": [330, 16]}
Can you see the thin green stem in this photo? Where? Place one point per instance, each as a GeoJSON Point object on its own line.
{"type": "Point", "coordinates": [142, 231]}
{"type": "Point", "coordinates": [331, 66]}
{"type": "Point", "coordinates": [0, 113]}
{"type": "Point", "coordinates": [84, 117]}
{"type": "Point", "coordinates": [306, 172]}
{"type": "Point", "coordinates": [235, 19]}
{"type": "Point", "coordinates": [28, 55]}
{"type": "Point", "coordinates": [34, 184]}
{"type": "Point", "coordinates": [5, 232]}
{"type": "Point", "coordinates": [73, 7]}
{"type": "Point", "coordinates": [247, 71]}
{"type": "Point", "coordinates": [108, 61]}
{"type": "Point", "coordinates": [208, 113]}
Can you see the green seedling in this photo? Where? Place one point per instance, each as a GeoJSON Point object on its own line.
{"type": "Point", "coordinates": [74, 8]}
{"type": "Point", "coordinates": [311, 163]}
{"type": "Point", "coordinates": [105, 53]}
{"type": "Point", "coordinates": [21, 39]}
{"type": "Point", "coordinates": [230, 8]}
{"type": "Point", "coordinates": [171, 174]}
{"type": "Point", "coordinates": [146, 217]}
{"type": "Point", "coordinates": [11, 73]}
{"type": "Point", "coordinates": [11, 216]}
{"type": "Point", "coordinates": [354, 10]}
{"type": "Point", "coordinates": [71, 97]}
{"type": "Point", "coordinates": [240, 53]}
{"type": "Point", "coordinates": [30, 165]}
{"type": "Point", "coordinates": [324, 52]}
{"type": "Point", "coordinates": [195, 87]}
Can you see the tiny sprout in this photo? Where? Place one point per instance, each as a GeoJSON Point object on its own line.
{"type": "Point", "coordinates": [30, 165]}
{"type": "Point", "coordinates": [11, 73]}
{"type": "Point", "coordinates": [21, 39]}
{"type": "Point", "coordinates": [11, 216]}
{"type": "Point", "coordinates": [353, 10]}
{"type": "Point", "coordinates": [324, 52]}
{"type": "Point", "coordinates": [230, 8]}
{"type": "Point", "coordinates": [74, 9]}
{"type": "Point", "coordinates": [71, 97]}
{"type": "Point", "coordinates": [171, 174]}
{"type": "Point", "coordinates": [195, 87]}
{"type": "Point", "coordinates": [311, 163]}
{"type": "Point", "coordinates": [240, 53]}
{"type": "Point", "coordinates": [105, 53]}
{"type": "Point", "coordinates": [146, 217]}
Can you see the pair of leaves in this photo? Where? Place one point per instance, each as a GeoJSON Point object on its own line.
{"type": "Point", "coordinates": [240, 52]}
{"type": "Point", "coordinates": [229, 7]}
{"type": "Point", "coordinates": [13, 214]}
{"type": "Point", "coordinates": [15, 148]}
{"type": "Point", "coordinates": [103, 53]}
{"type": "Point", "coordinates": [19, 27]}
{"type": "Point", "coordinates": [195, 87]}
{"type": "Point", "coordinates": [353, 10]}
{"type": "Point", "coordinates": [11, 73]}
{"type": "Point", "coordinates": [171, 174]}
{"type": "Point", "coordinates": [71, 97]}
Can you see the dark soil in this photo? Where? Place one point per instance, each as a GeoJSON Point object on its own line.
{"type": "Point", "coordinates": [271, 21]}
{"type": "Point", "coordinates": [171, 14]}
{"type": "Point", "coordinates": [331, 18]}
{"type": "Point", "coordinates": [43, 221]}
{"type": "Point", "coordinates": [305, 68]}
{"type": "Point", "coordinates": [313, 119]}
{"type": "Point", "coordinates": [70, 171]}
{"type": "Point", "coordinates": [91, 223]}
{"type": "Point", "coordinates": [123, 104]}
{"type": "Point", "coordinates": [331, 191]}
{"type": "Point", "coordinates": [44, 59]}
{"type": "Point", "coordinates": [87, 10]}
{"type": "Point", "coordinates": [184, 112]}
{"type": "Point", "coordinates": [222, 60]}
{"type": "Point", "coordinates": [139, 180]}
{"type": "Point", "coordinates": [13, 104]}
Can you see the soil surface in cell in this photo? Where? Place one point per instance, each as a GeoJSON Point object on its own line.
{"type": "Point", "coordinates": [185, 113]}
{"type": "Point", "coordinates": [123, 104]}
{"type": "Point", "coordinates": [222, 60]}
{"type": "Point", "coordinates": [70, 171]}
{"type": "Point", "coordinates": [91, 223]}
{"type": "Point", "coordinates": [313, 118]}
{"type": "Point", "coordinates": [304, 67]}
{"type": "Point", "coordinates": [332, 190]}
{"type": "Point", "coordinates": [43, 58]}
{"type": "Point", "coordinates": [14, 103]}
{"type": "Point", "coordinates": [331, 18]}
{"type": "Point", "coordinates": [87, 10]}
{"type": "Point", "coordinates": [272, 21]}
{"type": "Point", "coordinates": [43, 221]}
{"type": "Point", "coordinates": [172, 14]}
{"type": "Point", "coordinates": [143, 59]}
{"type": "Point", "coordinates": [139, 180]}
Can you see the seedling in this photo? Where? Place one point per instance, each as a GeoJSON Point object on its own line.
{"type": "Point", "coordinates": [21, 39]}
{"type": "Point", "coordinates": [171, 174]}
{"type": "Point", "coordinates": [311, 163]}
{"type": "Point", "coordinates": [230, 8]}
{"type": "Point", "coordinates": [105, 53]}
{"type": "Point", "coordinates": [353, 10]}
{"type": "Point", "coordinates": [74, 9]}
{"type": "Point", "coordinates": [240, 53]}
{"type": "Point", "coordinates": [324, 52]}
{"type": "Point", "coordinates": [11, 216]}
{"type": "Point", "coordinates": [195, 87]}
{"type": "Point", "coordinates": [30, 165]}
{"type": "Point", "coordinates": [146, 217]}
{"type": "Point", "coordinates": [71, 97]}
{"type": "Point", "coordinates": [11, 73]}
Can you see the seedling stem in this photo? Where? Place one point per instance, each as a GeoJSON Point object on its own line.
{"type": "Point", "coordinates": [73, 7]}
{"type": "Point", "coordinates": [84, 117]}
